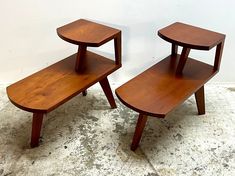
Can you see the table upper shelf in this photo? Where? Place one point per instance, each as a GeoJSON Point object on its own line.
{"type": "Point", "coordinates": [84, 32]}
{"type": "Point", "coordinates": [190, 36]}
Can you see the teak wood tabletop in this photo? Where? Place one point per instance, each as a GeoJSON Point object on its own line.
{"type": "Point", "coordinates": [45, 90]}
{"type": "Point", "coordinates": [167, 84]}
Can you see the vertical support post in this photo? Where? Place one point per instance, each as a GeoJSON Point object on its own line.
{"type": "Point", "coordinates": [174, 52]}
{"type": "Point", "coordinates": [138, 131]}
{"type": "Point", "coordinates": [218, 55]}
{"type": "Point", "coordinates": [84, 93]}
{"type": "Point", "coordinates": [108, 92]}
{"type": "Point", "coordinates": [118, 49]}
{"type": "Point", "coordinates": [36, 129]}
{"type": "Point", "coordinates": [182, 60]}
{"type": "Point", "coordinates": [174, 49]}
{"type": "Point", "coordinates": [200, 99]}
{"type": "Point", "coordinates": [80, 61]}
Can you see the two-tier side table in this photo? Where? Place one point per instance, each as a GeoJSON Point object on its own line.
{"type": "Point", "coordinates": [167, 84]}
{"type": "Point", "coordinates": [47, 89]}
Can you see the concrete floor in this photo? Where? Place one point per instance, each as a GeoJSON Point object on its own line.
{"type": "Point", "coordinates": [84, 137]}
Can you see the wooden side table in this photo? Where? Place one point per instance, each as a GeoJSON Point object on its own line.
{"type": "Point", "coordinates": [47, 89]}
{"type": "Point", "coordinates": [167, 84]}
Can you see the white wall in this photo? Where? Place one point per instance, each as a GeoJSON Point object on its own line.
{"type": "Point", "coordinates": [28, 39]}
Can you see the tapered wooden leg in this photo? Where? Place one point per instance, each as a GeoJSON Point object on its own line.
{"type": "Point", "coordinates": [80, 61]}
{"type": "Point", "coordinates": [182, 60]}
{"type": "Point", "coordinates": [108, 92]}
{"type": "Point", "coordinates": [174, 49]}
{"type": "Point", "coordinates": [36, 129]}
{"type": "Point", "coordinates": [84, 93]}
{"type": "Point", "coordinates": [138, 131]}
{"type": "Point", "coordinates": [200, 99]}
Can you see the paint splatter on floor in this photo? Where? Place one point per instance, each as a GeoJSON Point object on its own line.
{"type": "Point", "coordinates": [231, 89]}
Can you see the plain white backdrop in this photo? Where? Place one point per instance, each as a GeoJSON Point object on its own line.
{"type": "Point", "coordinates": [28, 39]}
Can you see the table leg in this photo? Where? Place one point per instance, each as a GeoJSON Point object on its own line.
{"type": "Point", "coordinates": [182, 60]}
{"type": "Point", "coordinates": [36, 129]}
{"type": "Point", "coordinates": [108, 92]}
{"type": "Point", "coordinates": [84, 93]}
{"type": "Point", "coordinates": [200, 99]}
{"type": "Point", "coordinates": [138, 131]}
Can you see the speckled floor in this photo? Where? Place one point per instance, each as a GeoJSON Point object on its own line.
{"type": "Point", "coordinates": [84, 137]}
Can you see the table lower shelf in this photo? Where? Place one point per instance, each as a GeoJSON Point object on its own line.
{"type": "Point", "coordinates": [158, 90]}
{"type": "Point", "coordinates": [47, 89]}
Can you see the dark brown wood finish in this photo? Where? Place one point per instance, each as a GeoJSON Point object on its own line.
{"type": "Point", "coordinates": [190, 36]}
{"type": "Point", "coordinates": [84, 32]}
{"type": "Point", "coordinates": [108, 92]}
{"type": "Point", "coordinates": [84, 93]}
{"type": "Point", "coordinates": [174, 49]}
{"type": "Point", "coordinates": [200, 100]}
{"type": "Point", "coordinates": [118, 49]}
{"type": "Point", "coordinates": [47, 89]}
{"type": "Point", "coordinates": [164, 86]}
{"type": "Point", "coordinates": [182, 61]}
{"type": "Point", "coordinates": [79, 66]}
{"type": "Point", "coordinates": [138, 131]}
{"type": "Point", "coordinates": [36, 129]}
{"type": "Point", "coordinates": [158, 90]}
{"type": "Point", "coordinates": [218, 55]}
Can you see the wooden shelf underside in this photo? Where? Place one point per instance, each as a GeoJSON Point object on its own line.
{"type": "Point", "coordinates": [158, 90]}
{"type": "Point", "coordinates": [47, 89]}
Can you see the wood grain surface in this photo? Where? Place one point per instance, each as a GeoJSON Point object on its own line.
{"type": "Point", "coordinates": [47, 89]}
{"type": "Point", "coordinates": [190, 36]}
{"type": "Point", "coordinates": [84, 32]}
{"type": "Point", "coordinates": [158, 90]}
